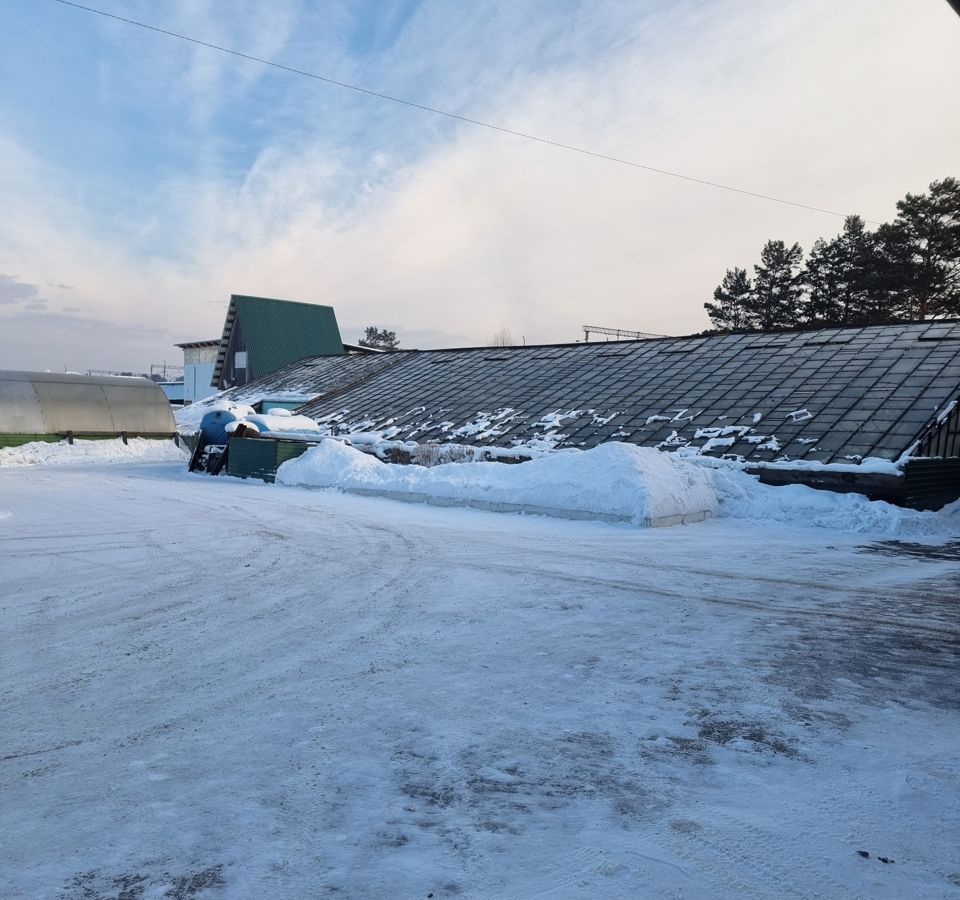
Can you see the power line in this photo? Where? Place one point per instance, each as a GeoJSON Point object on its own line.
{"type": "Point", "coordinates": [450, 115]}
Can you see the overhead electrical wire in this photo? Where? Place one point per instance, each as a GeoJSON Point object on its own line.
{"type": "Point", "coordinates": [440, 112]}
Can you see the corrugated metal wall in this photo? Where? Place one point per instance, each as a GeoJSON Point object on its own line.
{"type": "Point", "coordinates": [931, 483]}
{"type": "Point", "coordinates": [261, 457]}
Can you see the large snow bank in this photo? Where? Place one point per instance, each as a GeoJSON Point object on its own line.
{"type": "Point", "coordinates": [613, 482]}
{"type": "Point", "coordinates": [742, 496]}
{"type": "Point", "coordinates": [83, 453]}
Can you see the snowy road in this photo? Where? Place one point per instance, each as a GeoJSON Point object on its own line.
{"type": "Point", "coordinates": [213, 688]}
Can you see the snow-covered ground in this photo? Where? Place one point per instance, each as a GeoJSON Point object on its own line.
{"type": "Point", "coordinates": [217, 688]}
{"type": "Point", "coordinates": [84, 452]}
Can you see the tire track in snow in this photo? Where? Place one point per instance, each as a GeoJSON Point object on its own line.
{"type": "Point", "coordinates": [751, 862]}
{"type": "Point", "coordinates": [773, 608]}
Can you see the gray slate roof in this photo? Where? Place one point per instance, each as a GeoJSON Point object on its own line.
{"type": "Point", "coordinates": [834, 395]}
{"type": "Point", "coordinates": [297, 382]}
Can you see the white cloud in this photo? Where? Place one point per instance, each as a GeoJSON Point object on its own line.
{"type": "Point", "coordinates": [446, 233]}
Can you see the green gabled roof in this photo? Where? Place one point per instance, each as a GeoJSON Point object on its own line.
{"type": "Point", "coordinates": [278, 332]}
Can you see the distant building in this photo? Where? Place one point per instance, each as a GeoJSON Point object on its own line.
{"type": "Point", "coordinates": [261, 335]}
{"type": "Point", "coordinates": [174, 391]}
{"type": "Point", "coordinates": [199, 360]}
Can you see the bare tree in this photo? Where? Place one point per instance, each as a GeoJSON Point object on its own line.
{"type": "Point", "coordinates": [502, 338]}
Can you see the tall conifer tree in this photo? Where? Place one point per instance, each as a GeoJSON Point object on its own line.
{"type": "Point", "coordinates": [922, 249]}
{"type": "Point", "coordinates": [840, 277]}
{"type": "Point", "coordinates": [731, 299]}
{"type": "Point", "coordinates": [777, 288]}
{"type": "Point", "coordinates": [823, 277]}
{"type": "Point", "coordinates": [908, 269]}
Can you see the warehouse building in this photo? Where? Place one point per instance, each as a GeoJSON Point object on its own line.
{"type": "Point", "coordinates": [853, 409]}
{"type": "Point", "coordinates": [199, 361]}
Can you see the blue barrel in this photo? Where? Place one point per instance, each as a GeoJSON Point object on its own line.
{"type": "Point", "coordinates": [214, 424]}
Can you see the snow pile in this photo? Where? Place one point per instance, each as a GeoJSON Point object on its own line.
{"type": "Point", "coordinates": [231, 427]}
{"type": "Point", "coordinates": [613, 482]}
{"type": "Point", "coordinates": [269, 423]}
{"type": "Point", "coordinates": [282, 420]}
{"type": "Point", "coordinates": [241, 410]}
{"type": "Point", "coordinates": [83, 453]}
{"type": "Point", "coordinates": [742, 496]}
{"type": "Point", "coordinates": [373, 442]}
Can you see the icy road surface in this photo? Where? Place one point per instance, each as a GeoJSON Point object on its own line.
{"type": "Point", "coordinates": [221, 689]}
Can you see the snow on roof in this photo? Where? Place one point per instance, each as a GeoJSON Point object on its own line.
{"type": "Point", "coordinates": [833, 396]}
{"type": "Point", "coordinates": [830, 396]}
{"type": "Point", "coordinates": [298, 382]}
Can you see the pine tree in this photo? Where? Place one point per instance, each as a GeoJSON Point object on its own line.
{"type": "Point", "coordinates": [777, 288]}
{"type": "Point", "coordinates": [894, 274]}
{"type": "Point", "coordinates": [732, 295]}
{"type": "Point", "coordinates": [823, 276]}
{"type": "Point", "coordinates": [922, 252]}
{"type": "Point", "coordinates": [869, 300]}
{"type": "Point", "coordinates": [861, 301]}
{"type": "Point", "coordinates": [908, 269]}
{"type": "Point", "coordinates": [841, 280]}
{"type": "Point", "coordinates": [379, 339]}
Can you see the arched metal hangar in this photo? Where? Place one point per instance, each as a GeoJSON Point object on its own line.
{"type": "Point", "coordinates": [48, 406]}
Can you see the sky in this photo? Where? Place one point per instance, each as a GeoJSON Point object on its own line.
{"type": "Point", "coordinates": [144, 179]}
